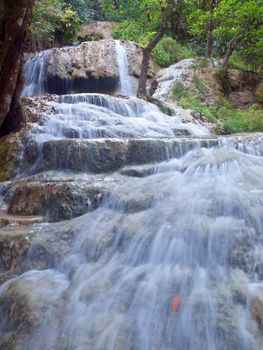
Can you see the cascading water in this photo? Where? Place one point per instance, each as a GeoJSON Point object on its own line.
{"type": "Point", "coordinates": [34, 72]}
{"type": "Point", "coordinates": [170, 259]}
{"type": "Point", "coordinates": [126, 88]}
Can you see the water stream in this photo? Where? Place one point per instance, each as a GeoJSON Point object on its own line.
{"type": "Point", "coordinates": [171, 259]}
{"type": "Point", "coordinates": [34, 72]}
{"type": "Point", "coordinates": [126, 88]}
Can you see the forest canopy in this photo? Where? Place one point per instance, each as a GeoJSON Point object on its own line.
{"type": "Point", "coordinates": [202, 27]}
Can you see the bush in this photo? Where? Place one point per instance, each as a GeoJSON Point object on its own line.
{"type": "Point", "coordinates": [249, 120]}
{"type": "Point", "coordinates": [235, 61]}
{"type": "Point", "coordinates": [226, 119]}
{"type": "Point", "coordinates": [128, 30]}
{"type": "Point", "coordinates": [179, 90]}
{"type": "Point", "coordinates": [169, 51]}
{"type": "Point", "coordinates": [192, 102]}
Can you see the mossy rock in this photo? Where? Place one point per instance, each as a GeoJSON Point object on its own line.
{"type": "Point", "coordinates": [9, 153]}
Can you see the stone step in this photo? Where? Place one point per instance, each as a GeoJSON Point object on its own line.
{"type": "Point", "coordinates": [107, 155]}
{"type": "Point", "coordinates": [19, 220]}
{"type": "Point", "coordinates": [14, 245]}
{"type": "Point", "coordinates": [58, 196]}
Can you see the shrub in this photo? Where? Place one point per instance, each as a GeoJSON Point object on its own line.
{"type": "Point", "coordinates": [169, 51]}
{"type": "Point", "coordinates": [128, 30]}
{"type": "Point", "coordinates": [179, 90]}
{"type": "Point", "coordinates": [236, 61]}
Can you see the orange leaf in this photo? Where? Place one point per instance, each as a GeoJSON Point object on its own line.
{"type": "Point", "coordinates": [175, 302]}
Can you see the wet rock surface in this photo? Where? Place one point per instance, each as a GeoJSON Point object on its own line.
{"type": "Point", "coordinates": [166, 253]}
{"type": "Point", "coordinates": [15, 241]}
{"type": "Point", "coordinates": [55, 200]}
{"type": "Point", "coordinates": [25, 311]}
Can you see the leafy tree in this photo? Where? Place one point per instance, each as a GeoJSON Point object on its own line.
{"type": "Point", "coordinates": [87, 10]}
{"type": "Point", "coordinates": [153, 16]}
{"type": "Point", "coordinates": [241, 26]}
{"type": "Point", "coordinates": [202, 22]}
{"type": "Point", "coordinates": [51, 19]}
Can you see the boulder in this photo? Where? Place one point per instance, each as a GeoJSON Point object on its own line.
{"type": "Point", "coordinates": [10, 148]}
{"type": "Point", "coordinates": [134, 55]}
{"type": "Point", "coordinates": [92, 31]}
{"type": "Point", "coordinates": [89, 67]}
{"type": "Point", "coordinates": [255, 299]}
{"type": "Point", "coordinates": [15, 241]}
{"type": "Point", "coordinates": [107, 155]}
{"type": "Point", "coordinates": [56, 200]}
{"type": "Point", "coordinates": [26, 305]}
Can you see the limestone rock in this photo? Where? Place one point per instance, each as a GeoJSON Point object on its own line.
{"type": "Point", "coordinates": [95, 31]}
{"type": "Point", "coordinates": [56, 200]}
{"type": "Point", "coordinates": [10, 147]}
{"type": "Point", "coordinates": [91, 66]}
{"type": "Point", "coordinates": [14, 245]}
{"type": "Point", "coordinates": [256, 302]}
{"type": "Point", "coordinates": [27, 301]}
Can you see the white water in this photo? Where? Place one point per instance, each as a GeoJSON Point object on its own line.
{"type": "Point", "coordinates": [192, 228]}
{"type": "Point", "coordinates": [167, 77]}
{"type": "Point", "coordinates": [34, 72]}
{"type": "Point", "coordinates": [88, 116]}
{"type": "Point", "coordinates": [126, 88]}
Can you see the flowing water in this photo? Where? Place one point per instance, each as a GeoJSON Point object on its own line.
{"type": "Point", "coordinates": [171, 259]}
{"type": "Point", "coordinates": [34, 71]}
{"type": "Point", "coordinates": [126, 87]}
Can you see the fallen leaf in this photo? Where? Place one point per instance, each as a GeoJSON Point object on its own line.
{"type": "Point", "coordinates": [175, 302]}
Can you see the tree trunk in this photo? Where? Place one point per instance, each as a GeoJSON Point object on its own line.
{"type": "Point", "coordinates": [146, 54]}
{"type": "Point", "coordinates": [212, 25]}
{"type": "Point", "coordinates": [231, 48]}
{"type": "Point", "coordinates": [210, 44]}
{"type": "Point", "coordinates": [142, 90]}
{"type": "Point", "coordinates": [15, 22]}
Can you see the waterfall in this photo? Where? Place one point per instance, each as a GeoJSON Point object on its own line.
{"type": "Point", "coordinates": [34, 72]}
{"type": "Point", "coordinates": [167, 77]}
{"type": "Point", "coordinates": [160, 244]}
{"type": "Point", "coordinates": [126, 88]}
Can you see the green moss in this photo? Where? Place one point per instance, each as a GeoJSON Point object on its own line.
{"type": "Point", "coordinates": [8, 153]}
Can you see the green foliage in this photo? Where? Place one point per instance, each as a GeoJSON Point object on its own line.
{"type": "Point", "coordinates": [200, 63]}
{"type": "Point", "coordinates": [189, 100]}
{"type": "Point", "coordinates": [223, 77]}
{"type": "Point", "coordinates": [179, 90]}
{"type": "Point", "coordinates": [169, 51]}
{"type": "Point", "coordinates": [165, 109]}
{"type": "Point", "coordinates": [90, 37]}
{"type": "Point", "coordinates": [51, 16]}
{"type": "Point", "coordinates": [249, 120]}
{"type": "Point", "coordinates": [236, 61]}
{"type": "Point", "coordinates": [242, 19]}
{"type": "Point", "coordinates": [199, 84]}
{"type": "Point", "coordinates": [225, 118]}
{"type": "Point", "coordinates": [128, 30]}
{"type": "Point", "coordinates": [87, 10]}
